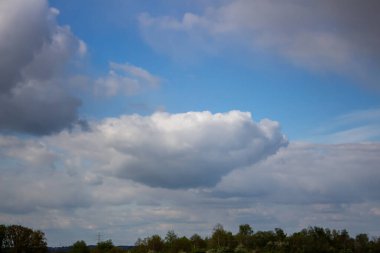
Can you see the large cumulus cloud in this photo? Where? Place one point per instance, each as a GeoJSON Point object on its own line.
{"type": "Point", "coordinates": [176, 150]}
{"type": "Point", "coordinates": [34, 50]}
{"type": "Point", "coordinates": [192, 149]}
{"type": "Point", "coordinates": [169, 151]}
{"type": "Point", "coordinates": [125, 164]}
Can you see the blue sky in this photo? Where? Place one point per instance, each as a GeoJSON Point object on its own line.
{"type": "Point", "coordinates": [234, 77]}
{"type": "Point", "coordinates": [202, 104]}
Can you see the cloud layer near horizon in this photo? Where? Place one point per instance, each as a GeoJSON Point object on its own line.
{"type": "Point", "coordinates": [84, 182]}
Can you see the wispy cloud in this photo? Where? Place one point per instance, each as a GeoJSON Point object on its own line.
{"type": "Point", "coordinates": [356, 126]}
{"type": "Point", "coordinates": [125, 79]}
{"type": "Point", "coordinates": [317, 35]}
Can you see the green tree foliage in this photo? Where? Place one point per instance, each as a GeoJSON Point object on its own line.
{"type": "Point", "coordinates": [3, 230]}
{"type": "Point", "coordinates": [170, 237]}
{"type": "Point", "coordinates": [155, 243]}
{"type": "Point", "coordinates": [198, 244]}
{"type": "Point", "coordinates": [264, 240]}
{"type": "Point", "coordinates": [182, 244]}
{"type": "Point", "coordinates": [309, 240]}
{"type": "Point", "coordinates": [170, 241]}
{"type": "Point", "coordinates": [375, 245]}
{"type": "Point", "coordinates": [141, 246]}
{"type": "Point", "coordinates": [174, 244]}
{"type": "Point", "coordinates": [19, 239]}
{"type": "Point", "coordinates": [280, 234]}
{"type": "Point", "coordinates": [361, 243]}
{"type": "Point", "coordinates": [222, 240]}
{"type": "Point", "coordinates": [79, 247]}
{"type": "Point", "coordinates": [116, 250]}
{"type": "Point", "coordinates": [316, 239]}
{"type": "Point", "coordinates": [104, 247]}
{"type": "Point", "coordinates": [341, 241]}
{"type": "Point", "coordinates": [244, 235]}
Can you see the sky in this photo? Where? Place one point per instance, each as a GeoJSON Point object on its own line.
{"type": "Point", "coordinates": [126, 118]}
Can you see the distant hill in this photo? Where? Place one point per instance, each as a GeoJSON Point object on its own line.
{"type": "Point", "coordinates": [59, 249]}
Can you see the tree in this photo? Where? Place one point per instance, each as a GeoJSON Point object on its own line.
{"type": "Point", "coordinates": [341, 241]}
{"type": "Point", "coordinates": [3, 230]}
{"type": "Point", "coordinates": [375, 245]}
{"type": "Point", "coordinates": [182, 244]}
{"type": "Point", "coordinates": [361, 243]}
{"type": "Point", "coordinates": [263, 239]}
{"type": "Point", "coordinates": [170, 237]}
{"type": "Point", "coordinates": [116, 250]}
{"type": "Point", "coordinates": [198, 243]}
{"type": "Point", "coordinates": [244, 234]}
{"type": "Point", "coordinates": [155, 243]}
{"type": "Point", "coordinates": [170, 240]}
{"type": "Point", "coordinates": [240, 249]}
{"type": "Point", "coordinates": [280, 234]}
{"type": "Point", "coordinates": [141, 246]}
{"type": "Point", "coordinates": [38, 242]}
{"type": "Point", "coordinates": [21, 239]}
{"type": "Point", "coordinates": [79, 247]}
{"type": "Point", "coordinates": [222, 239]}
{"type": "Point", "coordinates": [104, 246]}
{"type": "Point", "coordinates": [245, 230]}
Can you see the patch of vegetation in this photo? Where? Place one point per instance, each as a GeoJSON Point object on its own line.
{"type": "Point", "coordinates": [18, 239]}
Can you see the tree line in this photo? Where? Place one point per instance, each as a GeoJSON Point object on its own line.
{"type": "Point", "coordinates": [17, 239]}
{"type": "Point", "coordinates": [309, 240]}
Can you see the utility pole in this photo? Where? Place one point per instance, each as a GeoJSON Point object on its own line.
{"type": "Point", "coordinates": [99, 237]}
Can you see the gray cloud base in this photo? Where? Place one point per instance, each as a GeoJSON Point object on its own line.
{"type": "Point", "coordinates": [307, 173]}
{"type": "Point", "coordinates": [38, 110]}
{"type": "Point", "coordinates": [33, 97]}
{"type": "Point", "coordinates": [18, 44]}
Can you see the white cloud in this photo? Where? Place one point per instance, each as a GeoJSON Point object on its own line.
{"type": "Point", "coordinates": [162, 150]}
{"type": "Point", "coordinates": [125, 79]}
{"type": "Point", "coordinates": [82, 49]}
{"type": "Point", "coordinates": [180, 150]}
